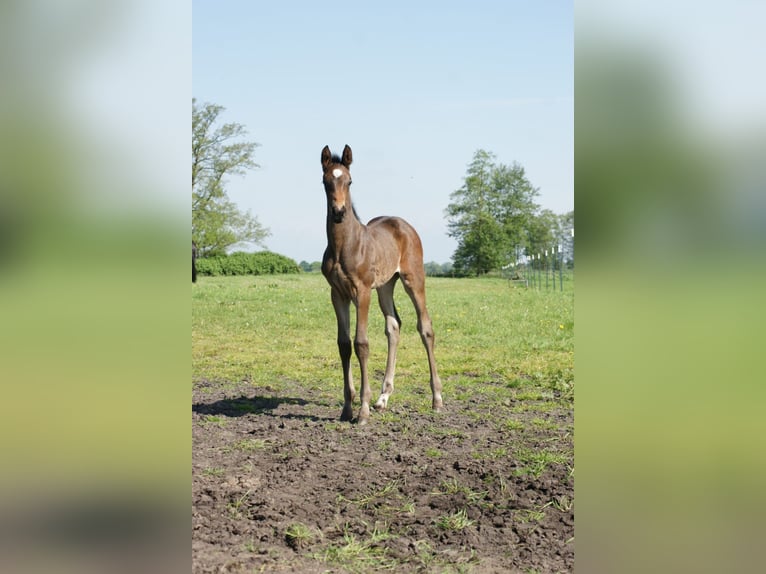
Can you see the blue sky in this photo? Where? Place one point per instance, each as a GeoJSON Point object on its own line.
{"type": "Point", "coordinates": [415, 88]}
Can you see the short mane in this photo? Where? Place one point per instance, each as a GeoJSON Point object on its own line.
{"type": "Point", "coordinates": [335, 158]}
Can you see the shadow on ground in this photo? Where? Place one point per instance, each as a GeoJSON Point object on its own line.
{"type": "Point", "coordinates": [257, 405]}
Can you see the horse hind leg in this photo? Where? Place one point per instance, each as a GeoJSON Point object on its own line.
{"type": "Point", "coordinates": [415, 286]}
{"type": "Point", "coordinates": [393, 324]}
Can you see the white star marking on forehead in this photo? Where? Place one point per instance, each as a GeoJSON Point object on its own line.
{"type": "Point", "coordinates": [337, 172]}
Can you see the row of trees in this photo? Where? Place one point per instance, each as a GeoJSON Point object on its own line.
{"type": "Point", "coordinates": [495, 219]}
{"type": "Point", "coordinates": [494, 216]}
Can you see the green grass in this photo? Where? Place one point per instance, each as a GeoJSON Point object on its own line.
{"type": "Point", "coordinates": [533, 514]}
{"type": "Point", "coordinates": [433, 453]}
{"type": "Point", "coordinates": [536, 461]}
{"type": "Point", "coordinates": [236, 505]}
{"type": "Point", "coordinates": [454, 521]}
{"type": "Point", "coordinates": [453, 486]}
{"type": "Point", "coordinates": [251, 444]}
{"type": "Point", "coordinates": [271, 329]}
{"type": "Point", "coordinates": [373, 495]}
{"type": "Point", "coordinates": [218, 420]}
{"type": "Point", "coordinates": [298, 535]}
{"type": "Point", "coordinates": [361, 554]}
{"type": "Point", "coordinates": [213, 471]}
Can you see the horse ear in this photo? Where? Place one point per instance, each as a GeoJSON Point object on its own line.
{"type": "Point", "coordinates": [326, 157]}
{"type": "Point", "coordinates": [347, 156]}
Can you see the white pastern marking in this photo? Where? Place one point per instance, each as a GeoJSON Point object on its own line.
{"type": "Point", "coordinates": [337, 172]}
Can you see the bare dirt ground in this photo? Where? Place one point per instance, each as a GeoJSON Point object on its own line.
{"type": "Point", "coordinates": [280, 485]}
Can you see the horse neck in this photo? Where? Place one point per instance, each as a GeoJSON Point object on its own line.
{"type": "Point", "coordinates": [344, 235]}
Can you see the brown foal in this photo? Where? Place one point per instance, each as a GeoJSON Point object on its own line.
{"type": "Point", "coordinates": [358, 259]}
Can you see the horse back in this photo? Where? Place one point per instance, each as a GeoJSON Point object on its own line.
{"type": "Point", "coordinates": [396, 230]}
{"type": "Point", "coordinates": [394, 226]}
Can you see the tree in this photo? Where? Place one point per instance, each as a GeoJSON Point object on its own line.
{"type": "Point", "coordinates": [566, 236]}
{"type": "Point", "coordinates": [217, 223]}
{"type": "Point", "coordinates": [434, 269]}
{"type": "Point", "coordinates": [489, 214]}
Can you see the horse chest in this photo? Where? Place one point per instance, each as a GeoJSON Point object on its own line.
{"type": "Point", "coordinates": [339, 279]}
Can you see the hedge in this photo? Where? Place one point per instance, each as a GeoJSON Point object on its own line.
{"type": "Point", "coordinates": [240, 263]}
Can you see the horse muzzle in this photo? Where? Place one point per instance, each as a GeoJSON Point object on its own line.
{"type": "Point", "coordinates": [338, 213]}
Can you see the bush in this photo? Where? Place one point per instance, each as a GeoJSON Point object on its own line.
{"type": "Point", "coordinates": [240, 263]}
{"type": "Point", "coordinates": [209, 266]}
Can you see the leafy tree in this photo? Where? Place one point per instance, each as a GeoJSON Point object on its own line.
{"type": "Point", "coordinates": [482, 247]}
{"type": "Point", "coordinates": [312, 267]}
{"type": "Point", "coordinates": [217, 152]}
{"type": "Point", "coordinates": [566, 237]}
{"type": "Point", "coordinates": [489, 215]}
{"type": "Point", "coordinates": [434, 269]}
{"type": "Point", "coordinates": [542, 232]}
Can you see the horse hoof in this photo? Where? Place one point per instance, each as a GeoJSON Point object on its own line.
{"type": "Point", "coordinates": [346, 417]}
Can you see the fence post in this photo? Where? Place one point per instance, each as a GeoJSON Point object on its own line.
{"type": "Point", "coordinates": [545, 263]}
{"type": "Point", "coordinates": [553, 266]}
{"type": "Point", "coordinates": [539, 272]}
{"type": "Point", "coordinates": [561, 269]}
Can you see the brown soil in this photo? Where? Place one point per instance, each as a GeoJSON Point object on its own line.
{"type": "Point", "coordinates": [377, 496]}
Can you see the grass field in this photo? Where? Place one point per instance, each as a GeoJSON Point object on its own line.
{"type": "Point", "coordinates": [281, 484]}
{"type": "Point", "coordinates": [270, 328]}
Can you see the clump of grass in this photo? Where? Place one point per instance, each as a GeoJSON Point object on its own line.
{"type": "Point", "coordinates": [452, 486]}
{"type": "Point", "coordinates": [237, 504]}
{"type": "Point", "coordinates": [562, 503]}
{"type": "Point", "coordinates": [298, 536]}
{"type": "Point", "coordinates": [455, 521]}
{"type": "Point", "coordinates": [251, 444]}
{"type": "Point", "coordinates": [499, 452]}
{"type": "Point", "coordinates": [219, 420]}
{"type": "Point", "coordinates": [513, 425]}
{"type": "Point", "coordinates": [213, 471]}
{"type": "Point", "coordinates": [533, 514]}
{"type": "Point", "coordinates": [361, 554]}
{"type": "Point", "coordinates": [536, 461]}
{"type": "Point", "coordinates": [543, 424]}
{"type": "Point", "coordinates": [433, 453]}
{"type": "Point", "coordinates": [367, 500]}
{"type": "Point", "coordinates": [492, 454]}
{"type": "Point", "coordinates": [408, 507]}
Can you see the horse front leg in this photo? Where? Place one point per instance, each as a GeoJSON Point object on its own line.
{"type": "Point", "coordinates": [342, 314]}
{"type": "Point", "coordinates": [362, 349]}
